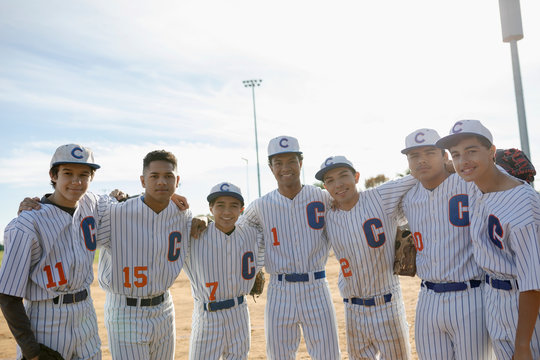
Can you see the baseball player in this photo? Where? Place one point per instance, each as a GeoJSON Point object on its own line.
{"type": "Point", "coordinates": [292, 219]}
{"type": "Point", "coordinates": [48, 261]}
{"type": "Point", "coordinates": [362, 231]}
{"type": "Point", "coordinates": [222, 266]}
{"type": "Point", "coordinates": [450, 322]}
{"type": "Point", "coordinates": [505, 232]}
{"type": "Point", "coordinates": [145, 240]}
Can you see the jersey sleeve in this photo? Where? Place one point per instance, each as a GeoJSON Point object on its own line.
{"type": "Point", "coordinates": [525, 243]}
{"type": "Point", "coordinates": [251, 217]}
{"type": "Point", "coordinates": [260, 253]}
{"type": "Point", "coordinates": [392, 192]}
{"type": "Point", "coordinates": [105, 204]}
{"type": "Point", "coordinates": [20, 245]}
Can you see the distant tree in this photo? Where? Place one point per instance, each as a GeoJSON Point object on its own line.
{"type": "Point", "coordinates": [405, 173]}
{"type": "Point", "coordinates": [375, 180]}
{"type": "Point", "coordinates": [319, 184]}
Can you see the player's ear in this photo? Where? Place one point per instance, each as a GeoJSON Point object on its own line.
{"type": "Point", "coordinates": [492, 151]}
{"type": "Point", "coordinates": [53, 177]}
{"type": "Point", "coordinates": [177, 180]}
{"type": "Point", "coordinates": [356, 177]}
{"type": "Point", "coordinates": [142, 181]}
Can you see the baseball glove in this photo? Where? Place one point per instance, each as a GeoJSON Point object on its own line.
{"type": "Point", "coordinates": [405, 259]}
{"type": "Point", "coordinates": [516, 163]}
{"type": "Point", "coordinates": [258, 286]}
{"type": "Point", "coordinates": [46, 353]}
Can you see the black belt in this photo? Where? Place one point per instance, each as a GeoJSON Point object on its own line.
{"type": "Point", "coordinates": [72, 298]}
{"type": "Point", "coordinates": [301, 277]}
{"type": "Point", "coordinates": [379, 300]}
{"type": "Point", "coordinates": [500, 284]}
{"type": "Point", "coordinates": [451, 286]}
{"type": "Point", "coordinates": [222, 305]}
{"type": "Point", "coordinates": [146, 302]}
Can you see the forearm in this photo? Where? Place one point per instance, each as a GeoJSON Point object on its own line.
{"type": "Point", "coordinates": [19, 324]}
{"type": "Point", "coordinates": [529, 305]}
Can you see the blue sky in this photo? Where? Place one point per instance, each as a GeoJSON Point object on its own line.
{"type": "Point", "coordinates": [346, 78]}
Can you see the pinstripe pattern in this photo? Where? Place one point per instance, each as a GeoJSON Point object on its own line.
{"type": "Point", "coordinates": [301, 247]}
{"type": "Point", "coordinates": [448, 325]}
{"type": "Point", "coordinates": [218, 257]}
{"type": "Point", "coordinates": [52, 239]}
{"type": "Point", "coordinates": [363, 242]}
{"type": "Point", "coordinates": [134, 262]}
{"type": "Point", "coordinates": [512, 218]}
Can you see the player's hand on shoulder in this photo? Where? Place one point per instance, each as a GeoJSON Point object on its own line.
{"type": "Point", "coordinates": [180, 201]}
{"type": "Point", "coordinates": [449, 165]}
{"type": "Point", "coordinates": [119, 195]}
{"type": "Point", "coordinates": [198, 226]}
{"type": "Point", "coordinates": [29, 204]}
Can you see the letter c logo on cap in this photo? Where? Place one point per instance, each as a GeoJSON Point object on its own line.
{"type": "Point", "coordinates": [76, 153]}
{"type": "Point", "coordinates": [328, 161]}
{"type": "Point", "coordinates": [224, 187]}
{"type": "Point", "coordinates": [419, 140]}
{"type": "Point", "coordinates": [284, 142]}
{"type": "Point", "coordinates": [456, 129]}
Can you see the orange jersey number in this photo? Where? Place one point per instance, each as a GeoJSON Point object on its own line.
{"type": "Point", "coordinates": [138, 274]}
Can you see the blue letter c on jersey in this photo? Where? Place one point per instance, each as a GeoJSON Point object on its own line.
{"type": "Point", "coordinates": [248, 270]}
{"type": "Point", "coordinates": [175, 238]}
{"type": "Point", "coordinates": [375, 236]}
{"type": "Point", "coordinates": [88, 227]}
{"type": "Point", "coordinates": [315, 215]}
{"type": "Point", "coordinates": [458, 210]}
{"type": "Point", "coordinates": [495, 231]}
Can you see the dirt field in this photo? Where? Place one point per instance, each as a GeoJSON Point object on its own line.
{"type": "Point", "coordinates": [183, 302]}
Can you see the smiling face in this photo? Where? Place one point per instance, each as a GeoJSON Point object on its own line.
{"type": "Point", "coordinates": [286, 169]}
{"type": "Point", "coordinates": [341, 184]}
{"type": "Point", "coordinates": [160, 181]}
{"type": "Point", "coordinates": [71, 182]}
{"type": "Point", "coordinates": [427, 164]}
{"type": "Point", "coordinates": [226, 210]}
{"type": "Point", "coordinates": [473, 159]}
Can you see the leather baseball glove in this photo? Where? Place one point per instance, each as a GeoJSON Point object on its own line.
{"type": "Point", "coordinates": [258, 286]}
{"type": "Point", "coordinates": [405, 259]}
{"type": "Point", "coordinates": [46, 353]}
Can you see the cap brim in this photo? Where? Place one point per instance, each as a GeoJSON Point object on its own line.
{"type": "Point", "coordinates": [320, 174]}
{"type": "Point", "coordinates": [406, 150]}
{"type": "Point", "coordinates": [215, 195]}
{"type": "Point", "coordinates": [93, 166]}
{"type": "Point", "coordinates": [447, 140]}
{"type": "Point", "coordinates": [285, 152]}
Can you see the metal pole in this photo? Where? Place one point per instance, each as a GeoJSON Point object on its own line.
{"type": "Point", "coordinates": [247, 177]}
{"type": "Point", "coordinates": [256, 141]}
{"type": "Point", "coordinates": [520, 103]}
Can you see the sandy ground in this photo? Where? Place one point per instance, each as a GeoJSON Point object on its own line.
{"type": "Point", "coordinates": [183, 302]}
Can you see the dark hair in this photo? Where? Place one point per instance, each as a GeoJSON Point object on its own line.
{"type": "Point", "coordinates": [483, 140]}
{"type": "Point", "coordinates": [54, 173]}
{"type": "Point", "coordinates": [300, 157]}
{"type": "Point", "coordinates": [213, 201]}
{"type": "Point", "coordinates": [159, 155]}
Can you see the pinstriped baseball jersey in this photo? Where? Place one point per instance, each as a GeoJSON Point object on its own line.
{"type": "Point", "coordinates": [143, 252]}
{"type": "Point", "coordinates": [50, 251]}
{"type": "Point", "coordinates": [293, 230]}
{"type": "Point", "coordinates": [366, 235]}
{"type": "Point", "coordinates": [439, 220]}
{"type": "Point", "coordinates": [228, 262]}
{"type": "Point", "coordinates": [222, 267]}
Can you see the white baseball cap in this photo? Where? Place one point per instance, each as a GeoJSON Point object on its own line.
{"type": "Point", "coordinates": [331, 163]}
{"type": "Point", "coordinates": [225, 189]}
{"type": "Point", "coordinates": [283, 144]}
{"type": "Point", "coordinates": [419, 138]}
{"type": "Point", "coordinates": [73, 154]}
{"type": "Point", "coordinates": [461, 127]}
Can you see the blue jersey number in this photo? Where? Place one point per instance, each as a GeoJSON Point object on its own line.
{"type": "Point", "coordinates": [175, 238]}
{"type": "Point", "coordinates": [458, 210]}
{"type": "Point", "coordinates": [495, 231]}
{"type": "Point", "coordinates": [315, 215]}
{"type": "Point", "coordinates": [248, 270]}
{"type": "Point", "coordinates": [375, 236]}
{"type": "Point", "coordinates": [88, 227]}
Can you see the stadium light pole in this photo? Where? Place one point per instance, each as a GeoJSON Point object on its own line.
{"type": "Point", "coordinates": [512, 31]}
{"type": "Point", "coordinates": [247, 177]}
{"type": "Point", "coordinates": [252, 84]}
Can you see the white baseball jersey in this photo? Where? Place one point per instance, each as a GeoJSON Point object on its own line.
{"type": "Point", "coordinates": [296, 242]}
{"type": "Point", "coordinates": [143, 253]}
{"type": "Point", "coordinates": [49, 253]}
{"type": "Point", "coordinates": [363, 240]}
{"type": "Point", "coordinates": [506, 237]}
{"type": "Point", "coordinates": [449, 324]}
{"type": "Point", "coordinates": [222, 267]}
